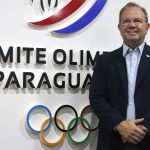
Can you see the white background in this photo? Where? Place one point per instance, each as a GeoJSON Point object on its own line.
{"type": "Point", "coordinates": [101, 35]}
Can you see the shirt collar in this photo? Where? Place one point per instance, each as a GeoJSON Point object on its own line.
{"type": "Point", "coordinates": [125, 48]}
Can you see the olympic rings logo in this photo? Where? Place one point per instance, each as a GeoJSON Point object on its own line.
{"type": "Point", "coordinates": [60, 125]}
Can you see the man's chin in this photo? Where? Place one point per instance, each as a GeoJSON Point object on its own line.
{"type": "Point", "coordinates": [133, 39]}
{"type": "Point", "coordinates": [133, 43]}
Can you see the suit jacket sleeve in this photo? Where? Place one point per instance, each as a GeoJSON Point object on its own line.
{"type": "Point", "coordinates": [109, 117]}
{"type": "Point", "coordinates": [147, 120]}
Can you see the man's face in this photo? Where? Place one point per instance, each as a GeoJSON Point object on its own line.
{"type": "Point", "coordinates": [133, 26]}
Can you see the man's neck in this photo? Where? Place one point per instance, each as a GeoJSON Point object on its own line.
{"type": "Point", "coordinates": [133, 45]}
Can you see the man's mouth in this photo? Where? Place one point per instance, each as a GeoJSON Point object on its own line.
{"type": "Point", "coordinates": [132, 31]}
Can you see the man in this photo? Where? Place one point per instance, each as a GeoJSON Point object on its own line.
{"type": "Point", "coordinates": [120, 87]}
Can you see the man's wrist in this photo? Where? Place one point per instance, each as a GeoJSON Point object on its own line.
{"type": "Point", "coordinates": [115, 129]}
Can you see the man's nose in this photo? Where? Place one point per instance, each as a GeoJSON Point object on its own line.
{"type": "Point", "coordinates": [132, 24]}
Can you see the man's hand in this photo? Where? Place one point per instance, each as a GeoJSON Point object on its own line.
{"type": "Point", "coordinates": [143, 128]}
{"type": "Point", "coordinates": [130, 132]}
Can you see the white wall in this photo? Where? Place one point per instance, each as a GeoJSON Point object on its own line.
{"type": "Point", "coordinates": [101, 35]}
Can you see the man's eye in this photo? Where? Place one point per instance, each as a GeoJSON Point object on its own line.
{"type": "Point", "coordinates": [126, 21]}
{"type": "Point", "coordinates": [140, 21]}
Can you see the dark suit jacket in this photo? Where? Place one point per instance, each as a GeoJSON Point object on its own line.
{"type": "Point", "coordinates": [109, 96]}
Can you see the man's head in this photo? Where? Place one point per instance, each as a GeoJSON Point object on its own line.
{"type": "Point", "coordinates": [133, 24]}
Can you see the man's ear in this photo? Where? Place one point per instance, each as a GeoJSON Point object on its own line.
{"type": "Point", "coordinates": [119, 27]}
{"type": "Point", "coordinates": [148, 26]}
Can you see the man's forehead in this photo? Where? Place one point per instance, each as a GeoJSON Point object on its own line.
{"type": "Point", "coordinates": [133, 17]}
{"type": "Point", "coordinates": [133, 12]}
{"type": "Point", "coordinates": [133, 9]}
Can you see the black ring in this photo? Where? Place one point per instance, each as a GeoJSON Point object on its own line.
{"type": "Point", "coordinates": [86, 110]}
{"type": "Point", "coordinates": [56, 113]}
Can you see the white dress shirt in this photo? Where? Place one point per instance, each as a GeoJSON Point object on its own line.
{"type": "Point", "coordinates": [132, 57]}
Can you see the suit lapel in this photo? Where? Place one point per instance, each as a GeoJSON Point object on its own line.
{"type": "Point", "coordinates": [121, 65]}
{"type": "Point", "coordinates": [143, 65]}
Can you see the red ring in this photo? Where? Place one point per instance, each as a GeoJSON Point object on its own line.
{"type": "Point", "coordinates": [86, 110]}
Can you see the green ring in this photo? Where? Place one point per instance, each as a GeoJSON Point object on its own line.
{"type": "Point", "coordinates": [69, 131]}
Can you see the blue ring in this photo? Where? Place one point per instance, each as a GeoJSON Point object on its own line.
{"type": "Point", "coordinates": [28, 117]}
{"type": "Point", "coordinates": [85, 19]}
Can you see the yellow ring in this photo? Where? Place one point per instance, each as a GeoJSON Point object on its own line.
{"type": "Point", "coordinates": [42, 136]}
